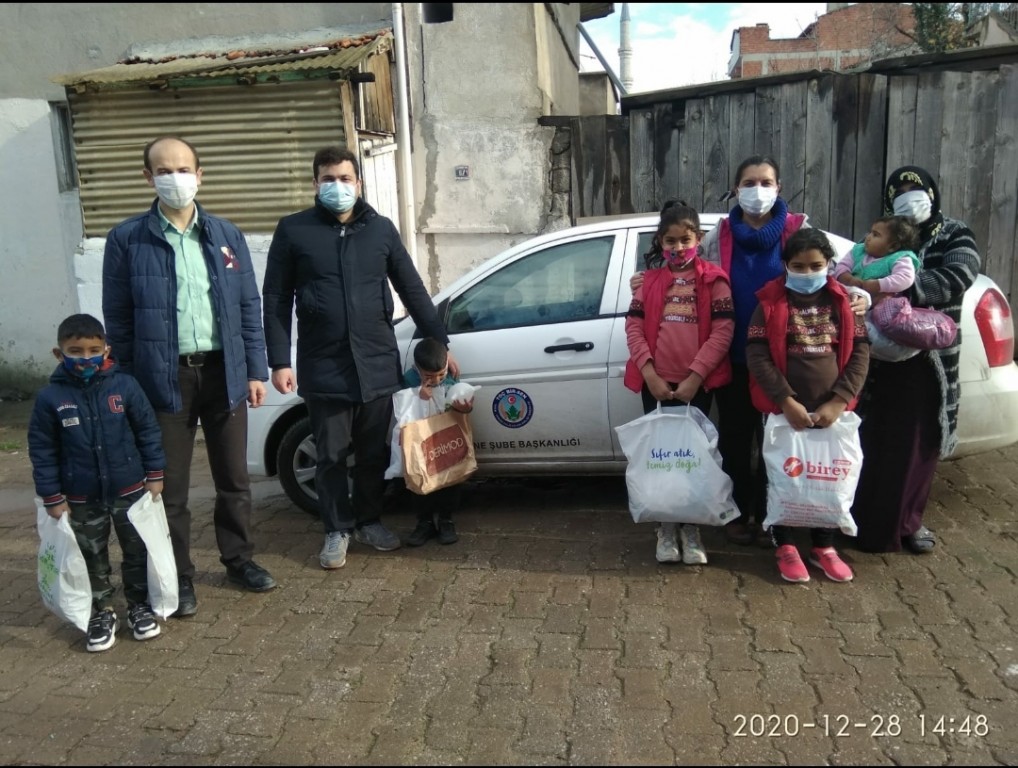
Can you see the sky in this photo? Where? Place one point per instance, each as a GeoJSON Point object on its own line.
{"type": "Point", "coordinates": [677, 44]}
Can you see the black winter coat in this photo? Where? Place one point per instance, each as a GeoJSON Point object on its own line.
{"type": "Point", "coordinates": [338, 275]}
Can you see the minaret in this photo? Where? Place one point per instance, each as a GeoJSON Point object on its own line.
{"type": "Point", "coordinates": [625, 51]}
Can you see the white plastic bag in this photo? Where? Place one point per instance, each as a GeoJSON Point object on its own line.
{"type": "Point", "coordinates": [408, 406]}
{"type": "Point", "coordinates": [461, 392]}
{"type": "Point", "coordinates": [674, 473]}
{"type": "Point", "coordinates": [812, 473]}
{"type": "Point", "coordinates": [62, 574]}
{"type": "Point", "coordinates": [148, 516]}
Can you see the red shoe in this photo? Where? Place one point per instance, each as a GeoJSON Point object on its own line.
{"type": "Point", "coordinates": [790, 565]}
{"type": "Point", "coordinates": [834, 567]}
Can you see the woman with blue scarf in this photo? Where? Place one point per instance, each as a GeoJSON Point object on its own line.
{"type": "Point", "coordinates": [747, 245]}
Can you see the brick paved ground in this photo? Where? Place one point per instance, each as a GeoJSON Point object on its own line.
{"type": "Point", "coordinates": [548, 635]}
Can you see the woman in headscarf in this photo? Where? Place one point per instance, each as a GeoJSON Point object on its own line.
{"type": "Point", "coordinates": [910, 408]}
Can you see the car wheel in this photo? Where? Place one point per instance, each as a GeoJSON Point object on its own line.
{"type": "Point", "coordinates": [296, 461]}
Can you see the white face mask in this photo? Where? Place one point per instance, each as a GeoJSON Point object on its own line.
{"type": "Point", "coordinates": [176, 190]}
{"type": "Point", "coordinates": [915, 204]}
{"type": "Point", "coordinates": [756, 201]}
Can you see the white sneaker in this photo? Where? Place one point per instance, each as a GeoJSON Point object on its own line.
{"type": "Point", "coordinates": [693, 552]}
{"type": "Point", "coordinates": [667, 548]}
{"type": "Point", "coordinates": [333, 554]}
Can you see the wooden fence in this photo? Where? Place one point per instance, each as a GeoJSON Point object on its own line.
{"type": "Point", "coordinates": [836, 137]}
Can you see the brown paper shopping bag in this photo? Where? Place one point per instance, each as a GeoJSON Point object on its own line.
{"type": "Point", "coordinates": [437, 451]}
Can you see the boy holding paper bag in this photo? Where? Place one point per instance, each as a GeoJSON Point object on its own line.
{"type": "Point", "coordinates": [430, 374]}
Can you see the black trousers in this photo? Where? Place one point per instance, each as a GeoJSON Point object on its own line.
{"type": "Point", "coordinates": [821, 538]}
{"type": "Point", "coordinates": [701, 400]}
{"type": "Point", "coordinates": [740, 441]}
{"type": "Point", "coordinates": [900, 436]}
{"type": "Point", "coordinates": [440, 504]}
{"type": "Point", "coordinates": [340, 427]}
{"type": "Point", "coordinates": [203, 391]}
{"type": "Point", "coordinates": [91, 523]}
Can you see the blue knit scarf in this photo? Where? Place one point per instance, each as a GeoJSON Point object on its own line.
{"type": "Point", "coordinates": [756, 260]}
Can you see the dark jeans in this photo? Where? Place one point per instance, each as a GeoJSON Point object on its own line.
{"type": "Point", "coordinates": [740, 441]}
{"type": "Point", "coordinates": [340, 427]}
{"type": "Point", "coordinates": [91, 525]}
{"type": "Point", "coordinates": [203, 391]}
{"type": "Point", "coordinates": [821, 538]}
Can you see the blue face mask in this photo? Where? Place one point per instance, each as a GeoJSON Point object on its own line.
{"type": "Point", "coordinates": [83, 367]}
{"type": "Point", "coordinates": [337, 196]}
{"type": "Point", "coordinates": [811, 282]}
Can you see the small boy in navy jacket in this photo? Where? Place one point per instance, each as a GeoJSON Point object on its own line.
{"type": "Point", "coordinates": [96, 447]}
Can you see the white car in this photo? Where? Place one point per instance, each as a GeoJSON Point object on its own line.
{"type": "Point", "coordinates": [541, 328]}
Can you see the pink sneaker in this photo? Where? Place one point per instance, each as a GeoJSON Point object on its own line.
{"type": "Point", "coordinates": [834, 567]}
{"type": "Point", "coordinates": [790, 564]}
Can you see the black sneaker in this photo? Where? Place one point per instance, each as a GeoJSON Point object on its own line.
{"type": "Point", "coordinates": [424, 531]}
{"type": "Point", "coordinates": [447, 532]}
{"type": "Point", "coordinates": [187, 604]}
{"type": "Point", "coordinates": [142, 621]}
{"type": "Point", "coordinates": [102, 631]}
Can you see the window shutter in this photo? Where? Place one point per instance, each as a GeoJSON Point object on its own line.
{"type": "Point", "coordinates": [255, 145]}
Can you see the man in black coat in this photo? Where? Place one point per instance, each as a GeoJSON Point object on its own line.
{"type": "Point", "coordinates": [335, 260]}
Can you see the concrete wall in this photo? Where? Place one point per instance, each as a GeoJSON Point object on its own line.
{"type": "Point", "coordinates": [597, 94]}
{"type": "Point", "coordinates": [41, 228]}
{"type": "Point", "coordinates": [475, 101]}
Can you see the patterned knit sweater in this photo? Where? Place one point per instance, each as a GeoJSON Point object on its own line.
{"type": "Point", "coordinates": [950, 264]}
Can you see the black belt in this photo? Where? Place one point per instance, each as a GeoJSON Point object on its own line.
{"type": "Point", "coordinates": [198, 359]}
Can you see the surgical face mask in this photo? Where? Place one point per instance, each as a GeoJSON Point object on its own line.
{"type": "Point", "coordinates": [176, 190]}
{"type": "Point", "coordinates": [805, 283]}
{"type": "Point", "coordinates": [83, 367]}
{"type": "Point", "coordinates": [756, 201]}
{"type": "Point", "coordinates": [915, 204]}
{"type": "Point", "coordinates": [681, 258]}
{"type": "Point", "coordinates": [337, 196]}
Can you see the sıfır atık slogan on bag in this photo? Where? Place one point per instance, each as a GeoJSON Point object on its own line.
{"type": "Point", "coordinates": [680, 460]}
{"type": "Point", "coordinates": [674, 473]}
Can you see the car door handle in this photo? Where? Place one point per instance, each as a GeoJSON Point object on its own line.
{"type": "Point", "coordinates": [579, 346]}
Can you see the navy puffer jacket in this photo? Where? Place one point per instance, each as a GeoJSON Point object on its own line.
{"type": "Point", "coordinates": [94, 440]}
{"type": "Point", "coordinates": [140, 306]}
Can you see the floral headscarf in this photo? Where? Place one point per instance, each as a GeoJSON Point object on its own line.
{"type": "Point", "coordinates": [913, 174]}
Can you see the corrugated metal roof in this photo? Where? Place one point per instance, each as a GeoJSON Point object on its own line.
{"type": "Point", "coordinates": [341, 54]}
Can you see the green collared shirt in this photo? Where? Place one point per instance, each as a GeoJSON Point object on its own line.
{"type": "Point", "coordinates": [197, 330]}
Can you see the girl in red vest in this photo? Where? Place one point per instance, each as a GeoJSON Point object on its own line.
{"type": "Point", "coordinates": [808, 355]}
{"type": "Point", "coordinates": [747, 245]}
{"type": "Point", "coordinates": [679, 327]}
